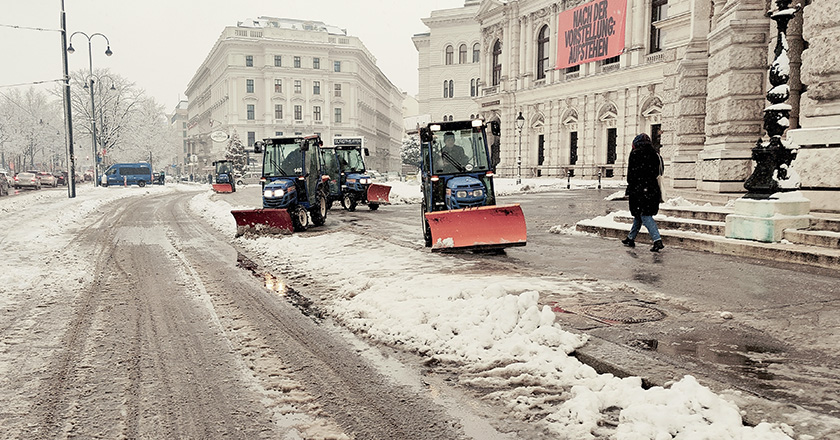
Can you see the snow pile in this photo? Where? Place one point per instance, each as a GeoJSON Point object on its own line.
{"type": "Point", "coordinates": [493, 328]}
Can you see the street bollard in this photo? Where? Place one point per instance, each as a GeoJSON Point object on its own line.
{"type": "Point", "coordinates": [125, 181]}
{"type": "Point", "coordinates": [599, 180]}
{"type": "Point", "coordinates": [568, 179]}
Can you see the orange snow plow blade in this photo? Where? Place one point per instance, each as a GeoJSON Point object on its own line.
{"type": "Point", "coordinates": [262, 221]}
{"type": "Point", "coordinates": [378, 194]}
{"type": "Point", "coordinates": [485, 227]}
{"type": "Point", "coordinates": [222, 187]}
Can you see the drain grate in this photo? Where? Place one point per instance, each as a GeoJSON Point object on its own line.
{"type": "Point", "coordinates": [626, 313]}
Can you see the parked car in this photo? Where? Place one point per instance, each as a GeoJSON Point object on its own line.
{"type": "Point", "coordinates": [249, 178]}
{"type": "Point", "coordinates": [27, 180]}
{"type": "Point", "coordinates": [61, 177]}
{"type": "Point", "coordinates": [4, 184]}
{"type": "Point", "coordinates": [47, 179]}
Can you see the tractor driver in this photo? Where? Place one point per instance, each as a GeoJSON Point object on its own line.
{"type": "Point", "coordinates": [453, 152]}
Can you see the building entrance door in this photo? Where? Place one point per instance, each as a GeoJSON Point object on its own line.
{"type": "Point", "coordinates": [612, 143]}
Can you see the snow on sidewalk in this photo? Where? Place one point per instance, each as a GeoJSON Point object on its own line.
{"type": "Point", "coordinates": [491, 326]}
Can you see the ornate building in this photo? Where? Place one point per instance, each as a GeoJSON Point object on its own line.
{"type": "Point", "coordinates": [692, 73]}
{"type": "Point", "coordinates": [282, 77]}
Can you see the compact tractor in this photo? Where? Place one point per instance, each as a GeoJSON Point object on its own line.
{"type": "Point", "coordinates": [224, 179]}
{"type": "Point", "coordinates": [294, 187]}
{"type": "Point", "coordinates": [459, 210]}
{"type": "Point", "coordinates": [349, 181]}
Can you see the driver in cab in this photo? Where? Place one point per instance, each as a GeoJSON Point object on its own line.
{"type": "Point", "coordinates": [453, 154]}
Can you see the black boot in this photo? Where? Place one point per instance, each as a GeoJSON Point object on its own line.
{"type": "Point", "coordinates": [657, 246]}
{"type": "Point", "coordinates": [629, 242]}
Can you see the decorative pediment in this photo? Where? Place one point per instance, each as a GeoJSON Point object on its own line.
{"type": "Point", "coordinates": [538, 121]}
{"type": "Point", "coordinates": [608, 115]}
{"type": "Point", "coordinates": [570, 117]}
{"type": "Point", "coordinates": [488, 7]}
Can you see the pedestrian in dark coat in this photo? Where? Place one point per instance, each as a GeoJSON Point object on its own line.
{"type": "Point", "coordinates": [643, 168]}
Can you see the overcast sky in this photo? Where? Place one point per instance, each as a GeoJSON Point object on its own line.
{"type": "Point", "coordinates": [159, 44]}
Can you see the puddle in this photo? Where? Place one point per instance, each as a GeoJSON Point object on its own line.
{"type": "Point", "coordinates": [752, 360]}
{"type": "Point", "coordinates": [280, 287]}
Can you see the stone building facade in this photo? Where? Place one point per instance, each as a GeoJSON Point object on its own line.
{"type": "Point", "coordinates": [693, 74]}
{"type": "Point", "coordinates": [283, 77]}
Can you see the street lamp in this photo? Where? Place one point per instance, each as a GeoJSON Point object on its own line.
{"type": "Point", "coordinates": [520, 122]}
{"type": "Point", "coordinates": [108, 52]}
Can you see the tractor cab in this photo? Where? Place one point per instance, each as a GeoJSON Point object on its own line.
{"type": "Point", "coordinates": [349, 181]}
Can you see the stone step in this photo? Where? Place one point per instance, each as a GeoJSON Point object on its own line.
{"type": "Point", "coordinates": [682, 224]}
{"type": "Point", "coordinates": [826, 239]}
{"type": "Point", "coordinates": [824, 222]}
{"type": "Point", "coordinates": [784, 252]}
{"type": "Point", "coordinates": [708, 213]}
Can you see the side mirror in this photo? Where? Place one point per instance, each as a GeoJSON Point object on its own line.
{"type": "Point", "coordinates": [426, 135]}
{"type": "Point", "coordinates": [495, 128]}
{"type": "Point", "coordinates": [214, 163]}
{"type": "Point", "coordinates": [258, 146]}
{"type": "Point", "coordinates": [304, 146]}
{"type": "Point", "coordinates": [367, 152]}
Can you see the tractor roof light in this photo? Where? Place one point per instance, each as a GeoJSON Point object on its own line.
{"type": "Point", "coordinates": [489, 174]}
{"type": "Point", "coordinates": [434, 127]}
{"type": "Point", "coordinates": [477, 123]}
{"type": "Point", "coordinates": [435, 178]}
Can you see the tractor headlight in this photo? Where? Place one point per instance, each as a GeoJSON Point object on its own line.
{"type": "Point", "coordinates": [478, 193]}
{"type": "Point", "coordinates": [461, 194]}
{"type": "Point", "coordinates": [273, 193]}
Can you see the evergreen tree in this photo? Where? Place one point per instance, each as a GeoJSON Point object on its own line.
{"type": "Point", "coordinates": [410, 151]}
{"type": "Point", "coordinates": [236, 154]}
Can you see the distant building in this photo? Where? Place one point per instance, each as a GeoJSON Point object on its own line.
{"type": "Point", "coordinates": [178, 124]}
{"type": "Point", "coordinates": [284, 77]}
{"type": "Point", "coordinates": [691, 73]}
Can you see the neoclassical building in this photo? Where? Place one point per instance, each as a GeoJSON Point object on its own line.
{"type": "Point", "coordinates": [285, 77]}
{"type": "Point", "coordinates": [691, 73]}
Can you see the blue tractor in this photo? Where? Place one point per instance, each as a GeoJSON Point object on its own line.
{"type": "Point", "coordinates": [459, 208]}
{"type": "Point", "coordinates": [349, 181]}
{"type": "Point", "coordinates": [224, 177]}
{"type": "Point", "coordinates": [294, 187]}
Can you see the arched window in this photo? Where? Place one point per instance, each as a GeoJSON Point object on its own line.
{"type": "Point", "coordinates": [451, 88]}
{"type": "Point", "coordinates": [450, 52]}
{"type": "Point", "coordinates": [462, 54]}
{"type": "Point", "coordinates": [476, 52]}
{"type": "Point", "coordinates": [472, 87]}
{"type": "Point", "coordinates": [542, 52]}
{"type": "Point", "coordinates": [497, 63]}
{"type": "Point", "coordinates": [445, 88]}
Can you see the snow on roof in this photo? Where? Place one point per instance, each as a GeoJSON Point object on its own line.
{"type": "Point", "coordinates": [291, 23]}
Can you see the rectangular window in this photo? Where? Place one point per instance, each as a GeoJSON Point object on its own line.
{"type": "Point", "coordinates": [249, 60]}
{"type": "Point", "coordinates": [316, 63]}
{"type": "Point", "coordinates": [252, 138]}
{"type": "Point", "coordinates": [316, 113]}
{"type": "Point", "coordinates": [250, 112]}
{"type": "Point", "coordinates": [278, 111]}
{"type": "Point", "coordinates": [297, 86]}
{"type": "Point", "coordinates": [659, 11]}
{"type": "Point", "coordinates": [278, 133]}
{"type": "Point", "coordinates": [612, 60]}
{"type": "Point", "coordinates": [277, 61]}
{"type": "Point", "coordinates": [297, 61]}
{"type": "Point", "coordinates": [278, 86]}
{"type": "Point", "coordinates": [337, 118]}
{"type": "Point", "coordinates": [316, 87]}
{"type": "Point", "coordinates": [337, 66]}
{"type": "Point", "coordinates": [338, 90]}
{"type": "Point", "coordinates": [573, 69]}
{"type": "Point", "coordinates": [249, 86]}
{"type": "Point", "coordinates": [573, 148]}
{"type": "Point", "coordinates": [298, 113]}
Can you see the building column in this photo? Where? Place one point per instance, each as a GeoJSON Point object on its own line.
{"type": "Point", "coordinates": [737, 67]}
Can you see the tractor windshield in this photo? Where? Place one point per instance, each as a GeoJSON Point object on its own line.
{"type": "Point", "coordinates": [222, 167]}
{"type": "Point", "coordinates": [283, 160]}
{"type": "Point", "coordinates": [351, 160]}
{"type": "Point", "coordinates": [459, 151]}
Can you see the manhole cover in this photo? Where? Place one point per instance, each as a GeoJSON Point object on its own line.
{"type": "Point", "coordinates": [626, 313]}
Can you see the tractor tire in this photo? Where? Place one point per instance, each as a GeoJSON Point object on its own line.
{"type": "Point", "coordinates": [141, 183]}
{"type": "Point", "coordinates": [427, 232]}
{"type": "Point", "coordinates": [299, 217]}
{"type": "Point", "coordinates": [348, 202]}
{"type": "Point", "coordinates": [319, 209]}
{"type": "Point", "coordinates": [373, 206]}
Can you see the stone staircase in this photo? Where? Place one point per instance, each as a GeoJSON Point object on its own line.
{"type": "Point", "coordinates": [703, 228]}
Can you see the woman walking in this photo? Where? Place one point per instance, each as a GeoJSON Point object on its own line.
{"type": "Point", "coordinates": [643, 167]}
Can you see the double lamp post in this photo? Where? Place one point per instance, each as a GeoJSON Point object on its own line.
{"type": "Point", "coordinates": [108, 52]}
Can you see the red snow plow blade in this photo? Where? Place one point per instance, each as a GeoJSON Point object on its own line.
{"type": "Point", "coordinates": [222, 187]}
{"type": "Point", "coordinates": [485, 227]}
{"type": "Point", "coordinates": [262, 221]}
{"type": "Point", "coordinates": [378, 194]}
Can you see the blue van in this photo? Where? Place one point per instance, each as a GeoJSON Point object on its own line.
{"type": "Point", "coordinates": [120, 174]}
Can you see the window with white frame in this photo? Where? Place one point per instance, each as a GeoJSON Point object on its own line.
{"type": "Point", "coordinates": [316, 87]}
{"type": "Point", "coordinates": [337, 117]}
{"type": "Point", "coordinates": [250, 112]}
{"type": "Point", "coordinates": [298, 86]}
{"type": "Point", "coordinates": [278, 86]}
{"type": "Point", "coordinates": [337, 89]}
{"type": "Point", "coordinates": [278, 111]}
{"type": "Point", "coordinates": [298, 113]}
{"type": "Point", "coordinates": [249, 60]}
{"type": "Point", "coordinates": [277, 61]}
{"type": "Point", "coordinates": [316, 112]}
{"type": "Point", "coordinates": [249, 86]}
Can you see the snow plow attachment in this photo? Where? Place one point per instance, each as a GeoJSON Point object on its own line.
{"type": "Point", "coordinates": [379, 194]}
{"type": "Point", "coordinates": [485, 227]}
{"type": "Point", "coordinates": [222, 188]}
{"type": "Point", "coordinates": [262, 221]}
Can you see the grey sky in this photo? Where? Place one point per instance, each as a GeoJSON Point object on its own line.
{"type": "Point", "coordinates": [159, 44]}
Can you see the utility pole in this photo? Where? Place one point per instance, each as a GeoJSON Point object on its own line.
{"type": "Point", "coordinates": [68, 117]}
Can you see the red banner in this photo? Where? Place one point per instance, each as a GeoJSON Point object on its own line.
{"type": "Point", "coordinates": [591, 32]}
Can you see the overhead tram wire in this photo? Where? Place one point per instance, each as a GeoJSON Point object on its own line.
{"type": "Point", "coordinates": [29, 28]}
{"type": "Point", "coordinates": [6, 86]}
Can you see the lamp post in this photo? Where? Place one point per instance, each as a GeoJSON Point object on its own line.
{"type": "Point", "coordinates": [108, 52]}
{"type": "Point", "coordinates": [520, 122]}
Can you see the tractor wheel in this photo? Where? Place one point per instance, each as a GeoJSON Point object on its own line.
{"type": "Point", "coordinates": [319, 209]}
{"type": "Point", "coordinates": [348, 202]}
{"type": "Point", "coordinates": [373, 206]}
{"type": "Point", "coordinates": [427, 232]}
{"type": "Point", "coordinates": [299, 218]}
{"type": "Point", "coordinates": [141, 183]}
